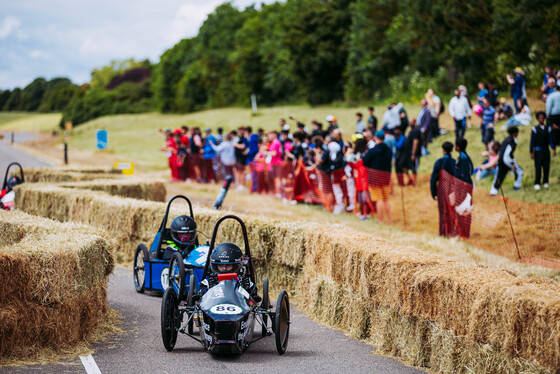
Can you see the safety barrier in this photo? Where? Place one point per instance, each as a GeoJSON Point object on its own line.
{"type": "Point", "coordinates": [54, 284]}
{"type": "Point", "coordinates": [430, 311]}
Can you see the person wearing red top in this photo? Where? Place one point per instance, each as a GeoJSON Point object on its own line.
{"type": "Point", "coordinates": [170, 148]}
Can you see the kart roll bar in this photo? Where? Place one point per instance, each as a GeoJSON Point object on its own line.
{"type": "Point", "coordinates": [245, 239]}
{"type": "Point", "coordinates": [164, 221]}
{"type": "Point", "coordinates": [5, 185]}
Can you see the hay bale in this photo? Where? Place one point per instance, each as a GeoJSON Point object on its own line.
{"type": "Point", "coordinates": [134, 188]}
{"type": "Point", "coordinates": [54, 278]}
{"type": "Point", "coordinates": [57, 175]}
{"type": "Point", "coordinates": [351, 280]}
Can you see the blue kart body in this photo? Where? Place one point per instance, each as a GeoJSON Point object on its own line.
{"type": "Point", "coordinates": [157, 270]}
{"type": "Point", "coordinates": [151, 266]}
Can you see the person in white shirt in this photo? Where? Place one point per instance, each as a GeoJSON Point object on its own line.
{"type": "Point", "coordinates": [459, 109]}
{"type": "Point", "coordinates": [391, 117]}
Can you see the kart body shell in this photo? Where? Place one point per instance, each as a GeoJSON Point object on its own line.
{"type": "Point", "coordinates": [151, 266]}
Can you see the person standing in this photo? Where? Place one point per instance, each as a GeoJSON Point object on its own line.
{"type": "Point", "coordinates": [459, 109]}
{"type": "Point", "coordinates": [553, 111]}
{"type": "Point", "coordinates": [487, 122]}
{"type": "Point", "coordinates": [507, 163]}
{"type": "Point", "coordinates": [226, 150]}
{"type": "Point", "coordinates": [413, 150]}
{"type": "Point", "coordinates": [541, 139]}
{"type": "Point", "coordinates": [378, 160]}
{"type": "Point", "coordinates": [372, 120]}
{"type": "Point", "coordinates": [440, 186]}
{"type": "Point", "coordinates": [241, 144]}
{"type": "Point", "coordinates": [360, 124]}
{"type": "Point", "coordinates": [435, 106]}
{"type": "Point", "coordinates": [517, 87]}
{"type": "Point", "coordinates": [208, 157]}
{"type": "Point", "coordinates": [424, 121]}
{"type": "Point", "coordinates": [464, 191]}
{"type": "Point", "coordinates": [401, 159]}
{"type": "Point", "coordinates": [275, 152]}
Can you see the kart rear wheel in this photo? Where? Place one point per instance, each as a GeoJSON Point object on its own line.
{"type": "Point", "coordinates": [177, 275]}
{"type": "Point", "coordinates": [190, 302]}
{"type": "Point", "coordinates": [139, 267]}
{"type": "Point", "coordinates": [265, 305]}
{"type": "Point", "coordinates": [169, 318]}
{"type": "Point", "coordinates": [282, 322]}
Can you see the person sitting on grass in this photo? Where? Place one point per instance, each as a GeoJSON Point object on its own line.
{"type": "Point", "coordinates": [488, 167]}
{"type": "Point", "coordinates": [507, 163]}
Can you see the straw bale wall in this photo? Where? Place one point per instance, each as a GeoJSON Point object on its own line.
{"type": "Point", "coordinates": [53, 289]}
{"type": "Point", "coordinates": [430, 311]}
{"type": "Point", "coordinates": [129, 187]}
{"type": "Point", "coordinates": [57, 175]}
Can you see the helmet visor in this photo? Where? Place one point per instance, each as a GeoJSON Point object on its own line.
{"type": "Point", "coordinates": [185, 237]}
{"type": "Point", "coordinates": [225, 268]}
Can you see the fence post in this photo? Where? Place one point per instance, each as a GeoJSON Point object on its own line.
{"type": "Point", "coordinates": [13, 137]}
{"type": "Point", "coordinates": [510, 225]}
{"type": "Point", "coordinates": [403, 210]}
{"type": "Point", "coordinates": [65, 153]}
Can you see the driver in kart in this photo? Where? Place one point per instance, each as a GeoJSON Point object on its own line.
{"type": "Point", "coordinates": [228, 258]}
{"type": "Point", "coordinates": [183, 233]}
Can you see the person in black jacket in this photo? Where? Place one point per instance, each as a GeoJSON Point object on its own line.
{"type": "Point", "coordinates": [440, 184]}
{"type": "Point", "coordinates": [541, 139]}
{"type": "Point", "coordinates": [378, 160]}
{"type": "Point", "coordinates": [463, 199]}
{"type": "Point", "coordinates": [507, 163]}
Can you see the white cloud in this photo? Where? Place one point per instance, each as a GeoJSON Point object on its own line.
{"type": "Point", "coordinates": [188, 19]}
{"type": "Point", "coordinates": [36, 53]}
{"type": "Point", "coordinates": [8, 25]}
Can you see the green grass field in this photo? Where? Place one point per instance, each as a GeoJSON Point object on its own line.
{"type": "Point", "coordinates": [33, 122]}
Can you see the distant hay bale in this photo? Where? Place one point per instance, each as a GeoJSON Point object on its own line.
{"type": "Point", "coordinates": [54, 279]}
{"type": "Point", "coordinates": [57, 175]}
{"type": "Point", "coordinates": [409, 303]}
{"type": "Point", "coordinates": [135, 188]}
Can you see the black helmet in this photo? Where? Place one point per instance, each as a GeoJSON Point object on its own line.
{"type": "Point", "coordinates": [226, 258]}
{"type": "Point", "coordinates": [183, 230]}
{"type": "Point", "coordinates": [12, 182]}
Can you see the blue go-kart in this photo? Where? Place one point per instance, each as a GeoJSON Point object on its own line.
{"type": "Point", "coordinates": [151, 267]}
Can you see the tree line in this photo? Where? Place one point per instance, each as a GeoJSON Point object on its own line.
{"type": "Point", "coordinates": [325, 51]}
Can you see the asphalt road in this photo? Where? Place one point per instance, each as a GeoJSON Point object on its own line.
{"type": "Point", "coordinates": [312, 348]}
{"type": "Point", "coordinates": [9, 154]}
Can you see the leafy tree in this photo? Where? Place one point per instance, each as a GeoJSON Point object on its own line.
{"type": "Point", "coordinates": [14, 101]}
{"type": "Point", "coordinates": [32, 95]}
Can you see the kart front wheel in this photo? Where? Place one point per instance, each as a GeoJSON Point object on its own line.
{"type": "Point", "coordinates": [190, 302]}
{"type": "Point", "coordinates": [282, 322]}
{"type": "Point", "coordinates": [177, 275]}
{"type": "Point", "coordinates": [139, 267]}
{"type": "Point", "coordinates": [169, 318]}
{"type": "Point", "coordinates": [265, 305]}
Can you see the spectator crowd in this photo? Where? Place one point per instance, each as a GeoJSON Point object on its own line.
{"type": "Point", "coordinates": [352, 172]}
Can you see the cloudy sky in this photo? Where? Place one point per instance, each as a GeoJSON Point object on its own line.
{"type": "Point", "coordinates": [52, 38]}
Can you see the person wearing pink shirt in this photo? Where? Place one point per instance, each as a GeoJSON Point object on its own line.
{"type": "Point", "coordinates": [275, 153]}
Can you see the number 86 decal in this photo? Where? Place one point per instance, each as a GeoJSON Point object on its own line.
{"type": "Point", "coordinates": [225, 309]}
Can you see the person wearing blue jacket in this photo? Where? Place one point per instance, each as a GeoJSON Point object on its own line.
{"type": "Point", "coordinates": [441, 190]}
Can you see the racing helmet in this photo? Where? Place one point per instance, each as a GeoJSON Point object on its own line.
{"type": "Point", "coordinates": [183, 230]}
{"type": "Point", "coordinates": [226, 258]}
{"type": "Point", "coordinates": [12, 182]}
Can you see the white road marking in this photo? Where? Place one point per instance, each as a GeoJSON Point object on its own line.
{"type": "Point", "coordinates": [90, 365]}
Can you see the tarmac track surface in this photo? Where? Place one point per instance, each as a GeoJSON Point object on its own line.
{"type": "Point", "coordinates": [312, 348]}
{"type": "Point", "coordinates": [9, 154]}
